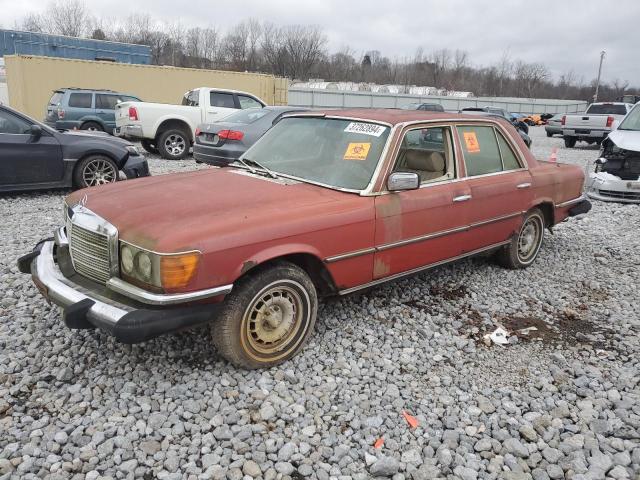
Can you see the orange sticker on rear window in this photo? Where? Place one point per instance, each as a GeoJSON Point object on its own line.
{"type": "Point", "coordinates": [357, 151]}
{"type": "Point", "coordinates": [471, 142]}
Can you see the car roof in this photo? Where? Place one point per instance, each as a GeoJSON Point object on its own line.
{"type": "Point", "coordinates": [77, 89]}
{"type": "Point", "coordinates": [392, 116]}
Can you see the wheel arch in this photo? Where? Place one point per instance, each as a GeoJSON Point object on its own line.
{"type": "Point", "coordinates": [304, 258]}
{"type": "Point", "coordinates": [93, 153]}
{"type": "Point", "coordinates": [171, 123]}
{"type": "Point", "coordinates": [548, 210]}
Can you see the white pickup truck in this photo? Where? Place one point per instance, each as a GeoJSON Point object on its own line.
{"type": "Point", "coordinates": [594, 124]}
{"type": "Point", "coordinates": [168, 129]}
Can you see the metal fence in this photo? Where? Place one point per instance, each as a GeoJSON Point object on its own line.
{"type": "Point", "coordinates": [307, 97]}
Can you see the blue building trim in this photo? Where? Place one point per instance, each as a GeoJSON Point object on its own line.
{"type": "Point", "coordinates": [13, 42]}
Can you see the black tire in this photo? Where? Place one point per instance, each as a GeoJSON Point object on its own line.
{"type": "Point", "coordinates": [570, 142]}
{"type": "Point", "coordinates": [149, 146]}
{"type": "Point", "coordinates": [549, 134]}
{"type": "Point", "coordinates": [524, 247]}
{"type": "Point", "coordinates": [95, 170]}
{"type": "Point", "coordinates": [92, 127]}
{"type": "Point", "coordinates": [173, 144]}
{"type": "Point", "coordinates": [242, 332]}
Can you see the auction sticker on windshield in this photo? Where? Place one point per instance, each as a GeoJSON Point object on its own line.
{"type": "Point", "coordinates": [365, 128]}
{"type": "Point", "coordinates": [357, 151]}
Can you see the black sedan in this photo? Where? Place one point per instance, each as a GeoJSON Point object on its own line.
{"type": "Point", "coordinates": [35, 156]}
{"type": "Point", "coordinates": [221, 143]}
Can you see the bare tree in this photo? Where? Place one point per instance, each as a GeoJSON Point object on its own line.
{"type": "Point", "coordinates": [305, 46]}
{"type": "Point", "coordinates": [33, 22]}
{"type": "Point", "coordinates": [67, 17]}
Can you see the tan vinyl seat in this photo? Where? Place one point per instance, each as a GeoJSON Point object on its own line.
{"type": "Point", "coordinates": [428, 165]}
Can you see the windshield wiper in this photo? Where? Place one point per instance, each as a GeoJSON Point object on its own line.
{"type": "Point", "coordinates": [247, 162]}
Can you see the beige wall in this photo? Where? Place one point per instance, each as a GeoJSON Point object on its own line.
{"type": "Point", "coordinates": [31, 81]}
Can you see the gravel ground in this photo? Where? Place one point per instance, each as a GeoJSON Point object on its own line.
{"type": "Point", "coordinates": [562, 401]}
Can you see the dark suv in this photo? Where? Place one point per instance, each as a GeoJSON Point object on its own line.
{"type": "Point", "coordinates": [75, 108]}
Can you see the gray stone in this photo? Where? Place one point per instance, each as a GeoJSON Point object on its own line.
{"type": "Point", "coordinates": [385, 467]}
{"type": "Point", "coordinates": [251, 468]}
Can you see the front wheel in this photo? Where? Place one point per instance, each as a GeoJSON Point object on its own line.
{"type": "Point", "coordinates": [267, 317]}
{"type": "Point", "coordinates": [570, 142]}
{"type": "Point", "coordinates": [95, 170]}
{"type": "Point", "coordinates": [524, 247]}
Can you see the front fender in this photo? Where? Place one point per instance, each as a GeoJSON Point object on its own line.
{"type": "Point", "coordinates": [271, 253]}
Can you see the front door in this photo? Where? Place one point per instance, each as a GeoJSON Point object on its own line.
{"type": "Point", "coordinates": [500, 185]}
{"type": "Point", "coordinates": [25, 159]}
{"type": "Point", "coordinates": [425, 226]}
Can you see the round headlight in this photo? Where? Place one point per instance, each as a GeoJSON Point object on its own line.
{"type": "Point", "coordinates": [143, 262]}
{"type": "Point", "coordinates": [126, 258]}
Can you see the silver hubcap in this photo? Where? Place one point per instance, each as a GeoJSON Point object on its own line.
{"type": "Point", "coordinates": [175, 144]}
{"type": "Point", "coordinates": [99, 172]}
{"type": "Point", "coordinates": [273, 319]}
{"type": "Point", "coordinates": [529, 239]}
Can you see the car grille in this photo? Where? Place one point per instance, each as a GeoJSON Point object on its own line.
{"type": "Point", "coordinates": [620, 195]}
{"type": "Point", "coordinates": [90, 253]}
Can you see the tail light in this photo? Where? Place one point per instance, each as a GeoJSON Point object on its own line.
{"type": "Point", "coordinates": [198, 132]}
{"type": "Point", "coordinates": [230, 134]}
{"type": "Point", "coordinates": [564, 120]}
{"type": "Point", "coordinates": [133, 113]}
{"type": "Point", "coordinates": [61, 113]}
{"type": "Point", "coordinates": [609, 122]}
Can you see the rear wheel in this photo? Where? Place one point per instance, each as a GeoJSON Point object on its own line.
{"type": "Point", "coordinates": [524, 247]}
{"type": "Point", "coordinates": [268, 317]}
{"type": "Point", "coordinates": [95, 170]}
{"type": "Point", "coordinates": [149, 146]}
{"type": "Point", "coordinates": [570, 142]}
{"type": "Point", "coordinates": [92, 127]}
{"type": "Point", "coordinates": [173, 144]}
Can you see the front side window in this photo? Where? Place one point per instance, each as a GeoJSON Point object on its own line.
{"type": "Point", "coordinates": [330, 151]}
{"type": "Point", "coordinates": [224, 100]}
{"type": "Point", "coordinates": [427, 152]}
{"type": "Point", "coordinates": [248, 102]}
{"type": "Point", "coordinates": [80, 100]}
{"type": "Point", "coordinates": [12, 124]}
{"type": "Point", "coordinates": [482, 146]}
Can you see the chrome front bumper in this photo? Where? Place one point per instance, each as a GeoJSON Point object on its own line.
{"type": "Point", "coordinates": [128, 320]}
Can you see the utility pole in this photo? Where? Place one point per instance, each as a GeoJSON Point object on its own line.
{"type": "Point", "coordinates": [595, 95]}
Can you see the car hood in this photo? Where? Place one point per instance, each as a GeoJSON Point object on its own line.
{"type": "Point", "coordinates": [72, 136]}
{"type": "Point", "coordinates": [178, 212]}
{"type": "Point", "coordinates": [626, 139]}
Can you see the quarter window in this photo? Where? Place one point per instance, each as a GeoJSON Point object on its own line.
{"type": "Point", "coordinates": [80, 100]}
{"type": "Point", "coordinates": [107, 102]}
{"type": "Point", "coordinates": [427, 152]}
{"type": "Point", "coordinates": [509, 159]}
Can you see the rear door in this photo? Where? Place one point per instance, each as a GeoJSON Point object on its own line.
{"type": "Point", "coordinates": [499, 182]}
{"type": "Point", "coordinates": [79, 107]}
{"type": "Point", "coordinates": [23, 159]}
{"type": "Point", "coordinates": [221, 105]}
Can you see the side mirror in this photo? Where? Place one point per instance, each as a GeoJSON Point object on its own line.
{"type": "Point", "coordinates": [601, 161]}
{"type": "Point", "coordinates": [398, 181]}
{"type": "Point", "coordinates": [35, 131]}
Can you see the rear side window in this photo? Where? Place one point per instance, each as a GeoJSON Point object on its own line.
{"type": "Point", "coordinates": [56, 98]}
{"type": "Point", "coordinates": [80, 100]}
{"type": "Point", "coordinates": [509, 159]}
{"type": "Point", "coordinates": [191, 99]}
{"type": "Point", "coordinates": [107, 102]}
{"type": "Point", "coordinates": [480, 148]}
{"type": "Point", "coordinates": [607, 109]}
{"type": "Point", "coordinates": [224, 100]}
{"type": "Point", "coordinates": [248, 102]}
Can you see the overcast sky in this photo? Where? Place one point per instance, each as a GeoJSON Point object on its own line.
{"type": "Point", "coordinates": [563, 34]}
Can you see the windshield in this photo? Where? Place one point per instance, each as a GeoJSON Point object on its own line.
{"type": "Point", "coordinates": [333, 152]}
{"type": "Point", "coordinates": [632, 120]}
{"type": "Point", "coordinates": [410, 106]}
{"type": "Point", "coordinates": [249, 115]}
{"type": "Point", "coordinates": [55, 98]}
{"type": "Point", "coordinates": [606, 109]}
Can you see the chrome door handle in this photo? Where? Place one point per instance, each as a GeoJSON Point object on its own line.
{"type": "Point", "coordinates": [462, 198]}
{"type": "Point", "coordinates": [524, 185]}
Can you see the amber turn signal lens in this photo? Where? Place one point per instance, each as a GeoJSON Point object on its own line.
{"type": "Point", "coordinates": [177, 270]}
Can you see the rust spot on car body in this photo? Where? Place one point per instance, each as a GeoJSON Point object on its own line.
{"type": "Point", "coordinates": [380, 268]}
{"type": "Point", "coordinates": [246, 266]}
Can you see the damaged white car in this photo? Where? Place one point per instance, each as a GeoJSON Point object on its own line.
{"type": "Point", "coordinates": [617, 172]}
